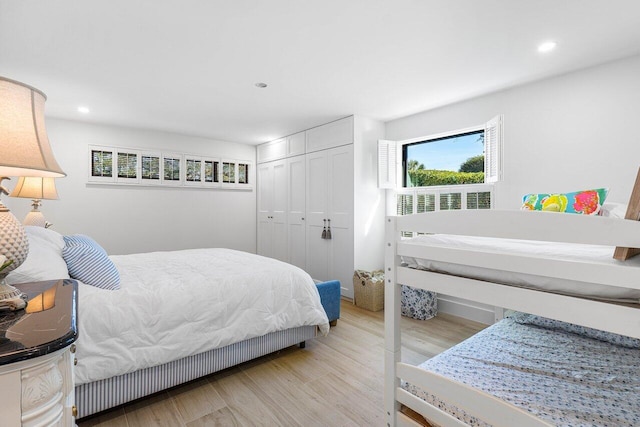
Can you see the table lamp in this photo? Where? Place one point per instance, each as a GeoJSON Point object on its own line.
{"type": "Point", "coordinates": [35, 188]}
{"type": "Point", "coordinates": [24, 151]}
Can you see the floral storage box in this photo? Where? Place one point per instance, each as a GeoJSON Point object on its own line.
{"type": "Point", "coordinates": [418, 303]}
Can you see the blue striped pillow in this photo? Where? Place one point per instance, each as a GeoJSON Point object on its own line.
{"type": "Point", "coordinates": [88, 262]}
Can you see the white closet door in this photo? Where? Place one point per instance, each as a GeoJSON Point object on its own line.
{"type": "Point", "coordinates": [330, 198]}
{"type": "Point", "coordinates": [296, 169]}
{"type": "Point", "coordinates": [265, 196]}
{"type": "Point", "coordinates": [316, 202]}
{"type": "Point", "coordinates": [272, 210]}
{"type": "Point", "coordinates": [340, 212]}
{"type": "Point", "coordinates": [279, 211]}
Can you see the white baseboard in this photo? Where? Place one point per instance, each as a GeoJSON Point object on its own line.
{"type": "Point", "coordinates": [467, 309]}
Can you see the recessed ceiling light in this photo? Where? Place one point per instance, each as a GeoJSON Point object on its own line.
{"type": "Point", "coordinates": [261, 85]}
{"type": "Point", "coordinates": [547, 46]}
{"type": "Point", "coordinates": [83, 110]}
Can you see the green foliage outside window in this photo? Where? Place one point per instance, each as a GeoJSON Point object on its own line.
{"type": "Point", "coordinates": [429, 177]}
{"type": "Point", "coordinates": [473, 164]}
{"type": "Point", "coordinates": [441, 158]}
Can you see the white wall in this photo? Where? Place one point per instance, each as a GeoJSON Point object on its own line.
{"type": "Point", "coordinates": [130, 219]}
{"type": "Point", "coordinates": [567, 133]}
{"type": "Point", "coordinates": [369, 200]}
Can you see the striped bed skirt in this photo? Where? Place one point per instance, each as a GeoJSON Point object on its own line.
{"type": "Point", "coordinates": [108, 393]}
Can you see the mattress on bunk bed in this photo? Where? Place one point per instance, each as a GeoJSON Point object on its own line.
{"type": "Point", "coordinates": [551, 250]}
{"type": "Point", "coordinates": [562, 377]}
{"type": "Point", "coordinates": [172, 305]}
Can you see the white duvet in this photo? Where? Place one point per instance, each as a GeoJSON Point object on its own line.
{"type": "Point", "coordinates": [175, 304]}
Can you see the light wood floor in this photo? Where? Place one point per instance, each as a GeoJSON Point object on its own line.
{"type": "Point", "coordinates": [336, 380]}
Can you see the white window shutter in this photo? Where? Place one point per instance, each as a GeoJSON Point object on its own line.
{"type": "Point", "coordinates": [493, 150]}
{"type": "Point", "coordinates": [387, 164]}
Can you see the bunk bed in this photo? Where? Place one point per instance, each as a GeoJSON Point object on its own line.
{"type": "Point", "coordinates": [465, 271]}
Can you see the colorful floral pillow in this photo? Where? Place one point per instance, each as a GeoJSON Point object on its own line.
{"type": "Point", "coordinates": [587, 202]}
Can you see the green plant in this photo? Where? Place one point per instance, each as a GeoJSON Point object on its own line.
{"type": "Point", "coordinates": [430, 177]}
{"type": "Point", "coordinates": [473, 164]}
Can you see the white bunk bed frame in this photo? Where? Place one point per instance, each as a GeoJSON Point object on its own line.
{"type": "Point", "coordinates": [526, 225]}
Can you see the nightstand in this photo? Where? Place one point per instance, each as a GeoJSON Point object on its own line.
{"type": "Point", "coordinates": [37, 356]}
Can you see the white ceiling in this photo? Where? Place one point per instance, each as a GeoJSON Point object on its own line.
{"type": "Point", "coordinates": [189, 66]}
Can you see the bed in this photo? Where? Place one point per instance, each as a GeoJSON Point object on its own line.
{"type": "Point", "coordinates": [155, 320]}
{"type": "Point", "coordinates": [590, 290]}
{"type": "Point", "coordinates": [538, 365]}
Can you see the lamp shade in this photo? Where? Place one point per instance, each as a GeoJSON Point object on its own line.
{"type": "Point", "coordinates": [24, 145]}
{"type": "Point", "coordinates": [31, 187]}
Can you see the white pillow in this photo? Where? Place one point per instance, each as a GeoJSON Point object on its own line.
{"type": "Point", "coordinates": [614, 210]}
{"type": "Point", "coordinates": [44, 261]}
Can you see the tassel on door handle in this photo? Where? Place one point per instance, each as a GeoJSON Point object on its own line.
{"type": "Point", "coordinates": [324, 229]}
{"type": "Point", "coordinates": [328, 230]}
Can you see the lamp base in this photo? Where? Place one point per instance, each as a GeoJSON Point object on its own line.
{"type": "Point", "coordinates": [34, 218]}
{"type": "Point", "coordinates": [11, 298]}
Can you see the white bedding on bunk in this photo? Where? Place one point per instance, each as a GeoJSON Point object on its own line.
{"type": "Point", "coordinates": [562, 377]}
{"type": "Point", "coordinates": [175, 304]}
{"type": "Point", "coordinates": [559, 251]}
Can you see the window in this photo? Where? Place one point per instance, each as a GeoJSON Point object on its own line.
{"type": "Point", "coordinates": [127, 165]}
{"type": "Point", "coordinates": [417, 200]}
{"type": "Point", "coordinates": [420, 200]}
{"type": "Point", "coordinates": [243, 173]}
{"type": "Point", "coordinates": [425, 203]}
{"type": "Point", "coordinates": [450, 201]}
{"type": "Point", "coordinates": [404, 204]}
{"type": "Point", "coordinates": [236, 174]}
{"type": "Point", "coordinates": [201, 172]}
{"type": "Point", "coordinates": [448, 171]}
{"type": "Point", "coordinates": [211, 169]}
{"type": "Point", "coordinates": [101, 163]}
{"type": "Point", "coordinates": [467, 156]}
{"type": "Point", "coordinates": [228, 172]}
{"type": "Point", "coordinates": [150, 164]}
{"type": "Point", "coordinates": [479, 200]}
{"type": "Point", "coordinates": [449, 160]}
{"type": "Point", "coordinates": [114, 165]}
{"type": "Point", "coordinates": [171, 169]}
{"type": "Point", "coordinates": [194, 170]}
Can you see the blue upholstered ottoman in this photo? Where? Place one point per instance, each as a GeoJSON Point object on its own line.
{"type": "Point", "coordinates": [330, 299]}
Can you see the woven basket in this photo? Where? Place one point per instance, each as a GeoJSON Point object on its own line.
{"type": "Point", "coordinates": [368, 289]}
